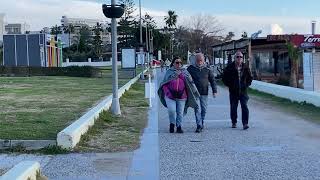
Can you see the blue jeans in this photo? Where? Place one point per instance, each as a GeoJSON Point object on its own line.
{"type": "Point", "coordinates": [175, 110]}
{"type": "Point", "coordinates": [201, 113]}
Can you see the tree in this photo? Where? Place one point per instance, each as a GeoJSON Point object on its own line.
{"type": "Point", "coordinates": [244, 35]}
{"type": "Point", "coordinates": [55, 30]}
{"type": "Point", "coordinates": [171, 19]}
{"type": "Point", "coordinates": [200, 32]}
{"type": "Point", "coordinates": [229, 36]}
{"type": "Point", "coordinates": [97, 42]}
{"type": "Point", "coordinates": [294, 56]}
{"type": "Point", "coordinates": [127, 25]}
{"type": "Point", "coordinates": [84, 39]}
{"type": "Point", "coordinates": [150, 21]}
{"type": "Point", "coordinates": [69, 30]}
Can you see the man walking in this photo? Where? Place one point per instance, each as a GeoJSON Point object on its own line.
{"type": "Point", "coordinates": [201, 76]}
{"type": "Point", "coordinates": [237, 76]}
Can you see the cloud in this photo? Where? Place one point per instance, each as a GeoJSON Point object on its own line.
{"type": "Point", "coordinates": [252, 24]}
{"type": "Point", "coordinates": [276, 29]}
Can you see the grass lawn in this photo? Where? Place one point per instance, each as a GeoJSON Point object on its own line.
{"type": "Point", "coordinates": [40, 107]}
{"type": "Point", "coordinates": [119, 133]}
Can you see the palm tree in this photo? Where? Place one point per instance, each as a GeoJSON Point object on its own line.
{"type": "Point", "coordinates": [171, 19]}
{"type": "Point", "coordinates": [294, 55]}
{"type": "Point", "coordinates": [55, 30]}
{"type": "Point", "coordinates": [69, 29]}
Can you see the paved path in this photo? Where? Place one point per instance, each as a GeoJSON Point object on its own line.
{"type": "Point", "coordinates": [276, 146]}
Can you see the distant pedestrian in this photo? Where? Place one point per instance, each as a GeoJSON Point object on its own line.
{"type": "Point", "coordinates": [177, 92]}
{"type": "Point", "coordinates": [202, 75]}
{"type": "Point", "coordinates": [237, 76]}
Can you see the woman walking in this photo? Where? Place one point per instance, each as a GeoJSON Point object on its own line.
{"type": "Point", "coordinates": [177, 92]}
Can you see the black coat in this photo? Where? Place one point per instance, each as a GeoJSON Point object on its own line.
{"type": "Point", "coordinates": [231, 79]}
{"type": "Point", "coordinates": [201, 77]}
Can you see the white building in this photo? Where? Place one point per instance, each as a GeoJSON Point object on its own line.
{"type": "Point", "coordinates": [17, 28]}
{"type": "Point", "coordinates": [65, 21]}
{"type": "Point", "coordinates": [77, 23]}
{"type": "Point", "coordinates": [1, 26]}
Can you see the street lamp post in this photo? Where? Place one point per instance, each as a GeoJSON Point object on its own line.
{"type": "Point", "coordinates": [114, 11]}
{"type": "Point", "coordinates": [141, 42]}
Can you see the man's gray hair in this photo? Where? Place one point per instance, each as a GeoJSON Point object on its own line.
{"type": "Point", "coordinates": [200, 55]}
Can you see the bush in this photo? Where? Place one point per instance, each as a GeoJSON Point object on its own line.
{"type": "Point", "coordinates": [283, 80]}
{"type": "Point", "coordinates": [73, 71]}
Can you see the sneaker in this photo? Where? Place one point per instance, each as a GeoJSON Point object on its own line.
{"type": "Point", "coordinates": [179, 130]}
{"type": "Point", "coordinates": [234, 125]}
{"type": "Point", "coordinates": [171, 130]}
{"type": "Point", "coordinates": [199, 128]}
{"type": "Point", "coordinates": [245, 127]}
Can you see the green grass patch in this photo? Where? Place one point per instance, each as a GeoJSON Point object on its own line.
{"type": "Point", "coordinates": [119, 133]}
{"type": "Point", "coordinates": [305, 110]}
{"type": "Point", "coordinates": [49, 150]}
{"type": "Point", "coordinates": [39, 107]}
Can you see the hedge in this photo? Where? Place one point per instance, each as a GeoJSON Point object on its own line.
{"type": "Point", "coordinates": [74, 71]}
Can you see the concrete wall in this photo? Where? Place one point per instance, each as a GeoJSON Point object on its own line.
{"type": "Point", "coordinates": [293, 94]}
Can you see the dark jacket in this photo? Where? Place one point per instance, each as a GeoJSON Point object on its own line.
{"type": "Point", "coordinates": [201, 77]}
{"type": "Point", "coordinates": [231, 79]}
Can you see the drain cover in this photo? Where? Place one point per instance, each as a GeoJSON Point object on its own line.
{"type": "Point", "coordinates": [195, 141]}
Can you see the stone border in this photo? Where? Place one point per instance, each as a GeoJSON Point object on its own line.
{"type": "Point", "coordinates": [23, 171]}
{"type": "Point", "coordinates": [70, 136]}
{"type": "Point", "coordinates": [294, 94]}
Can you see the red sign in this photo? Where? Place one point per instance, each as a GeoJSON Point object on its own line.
{"type": "Point", "coordinates": [302, 41]}
{"type": "Point", "coordinates": [306, 41]}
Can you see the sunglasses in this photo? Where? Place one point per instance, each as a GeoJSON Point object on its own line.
{"type": "Point", "coordinates": [178, 62]}
{"type": "Point", "coordinates": [239, 56]}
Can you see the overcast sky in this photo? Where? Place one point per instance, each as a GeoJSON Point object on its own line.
{"type": "Point", "coordinates": [292, 16]}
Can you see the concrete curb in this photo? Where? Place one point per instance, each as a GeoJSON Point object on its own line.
{"type": "Point", "coordinates": [294, 94]}
{"type": "Point", "coordinates": [28, 144]}
{"type": "Point", "coordinates": [70, 136]}
{"type": "Point", "coordinates": [25, 170]}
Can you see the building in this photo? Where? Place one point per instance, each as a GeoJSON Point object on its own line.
{"type": "Point", "coordinates": [269, 59]}
{"type": "Point", "coordinates": [1, 27]}
{"type": "Point", "coordinates": [17, 28]}
{"type": "Point", "coordinates": [78, 23]}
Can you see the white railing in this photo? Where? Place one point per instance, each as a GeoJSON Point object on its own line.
{"type": "Point", "coordinates": [88, 63]}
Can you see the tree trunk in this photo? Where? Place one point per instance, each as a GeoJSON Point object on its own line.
{"type": "Point", "coordinates": [293, 74]}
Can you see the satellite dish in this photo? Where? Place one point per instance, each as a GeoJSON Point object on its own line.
{"type": "Point", "coordinates": [256, 34]}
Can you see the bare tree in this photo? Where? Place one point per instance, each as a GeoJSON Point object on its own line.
{"type": "Point", "coordinates": [203, 32]}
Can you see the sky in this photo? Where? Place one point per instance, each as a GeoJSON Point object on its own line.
{"type": "Point", "coordinates": [286, 16]}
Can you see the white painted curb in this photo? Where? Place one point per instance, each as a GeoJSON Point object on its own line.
{"type": "Point", "coordinates": [70, 136]}
{"type": "Point", "coordinates": [25, 170]}
{"type": "Point", "coordinates": [293, 94]}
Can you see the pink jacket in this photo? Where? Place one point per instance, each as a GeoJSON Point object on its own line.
{"type": "Point", "coordinates": [176, 85]}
